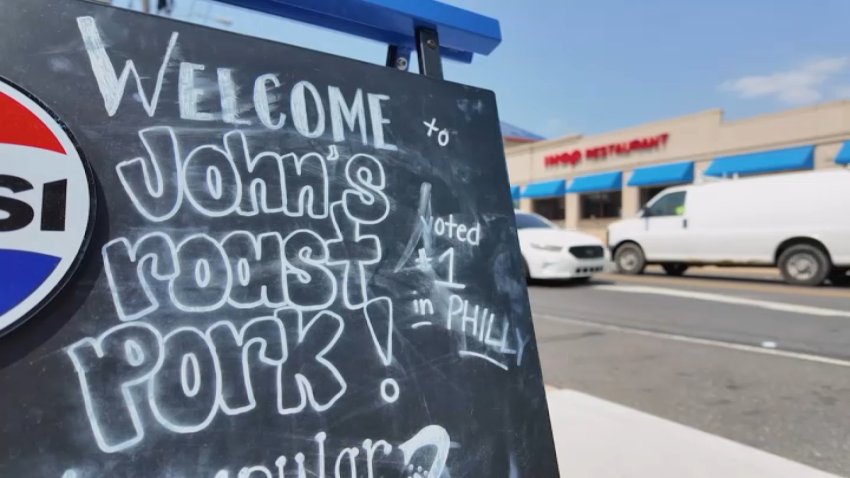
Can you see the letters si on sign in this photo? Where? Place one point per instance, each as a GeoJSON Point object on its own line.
{"type": "Point", "coordinates": [46, 205]}
{"type": "Point", "coordinates": [298, 265]}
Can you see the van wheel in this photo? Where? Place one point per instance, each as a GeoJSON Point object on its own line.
{"type": "Point", "coordinates": [675, 268]}
{"type": "Point", "coordinates": [804, 264]}
{"type": "Point", "coordinates": [839, 277]}
{"type": "Point", "coordinates": [629, 259]}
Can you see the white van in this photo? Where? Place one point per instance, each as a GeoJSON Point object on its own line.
{"type": "Point", "coordinates": [799, 222]}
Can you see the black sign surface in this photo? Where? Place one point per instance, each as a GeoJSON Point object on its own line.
{"type": "Point", "coordinates": [299, 265]}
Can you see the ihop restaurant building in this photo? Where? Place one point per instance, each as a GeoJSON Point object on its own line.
{"type": "Point", "coordinates": [587, 182]}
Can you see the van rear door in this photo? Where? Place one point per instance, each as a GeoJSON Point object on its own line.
{"type": "Point", "coordinates": [665, 235]}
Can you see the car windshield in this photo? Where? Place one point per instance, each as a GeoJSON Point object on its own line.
{"type": "Point", "coordinates": [531, 221]}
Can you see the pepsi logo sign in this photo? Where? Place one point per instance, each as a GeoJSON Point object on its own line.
{"type": "Point", "coordinates": [46, 206]}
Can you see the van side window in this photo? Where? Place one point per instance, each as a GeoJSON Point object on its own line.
{"type": "Point", "coordinates": [672, 204]}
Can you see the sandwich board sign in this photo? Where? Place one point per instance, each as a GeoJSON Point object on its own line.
{"type": "Point", "coordinates": [227, 257]}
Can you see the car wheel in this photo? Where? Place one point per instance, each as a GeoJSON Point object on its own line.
{"type": "Point", "coordinates": [675, 268]}
{"type": "Point", "coordinates": [839, 277]}
{"type": "Point", "coordinates": [804, 264]}
{"type": "Point", "coordinates": [629, 259]}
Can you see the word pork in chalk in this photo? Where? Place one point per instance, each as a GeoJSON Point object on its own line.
{"type": "Point", "coordinates": [189, 376]}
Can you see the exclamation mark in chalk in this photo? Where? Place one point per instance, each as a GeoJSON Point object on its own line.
{"type": "Point", "coordinates": [379, 319]}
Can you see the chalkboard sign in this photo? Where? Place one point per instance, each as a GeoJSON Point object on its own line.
{"type": "Point", "coordinates": [226, 257]}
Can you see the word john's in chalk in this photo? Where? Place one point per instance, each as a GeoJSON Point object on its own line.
{"type": "Point", "coordinates": [442, 134]}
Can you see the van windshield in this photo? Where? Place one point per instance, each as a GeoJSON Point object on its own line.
{"type": "Point", "coordinates": [531, 221]}
{"type": "Point", "coordinates": [672, 204]}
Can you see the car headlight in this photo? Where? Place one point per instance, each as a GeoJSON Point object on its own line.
{"type": "Point", "coordinates": [546, 247]}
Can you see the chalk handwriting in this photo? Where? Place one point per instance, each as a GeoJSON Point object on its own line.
{"type": "Point", "coordinates": [203, 274]}
{"type": "Point", "coordinates": [423, 306]}
{"type": "Point", "coordinates": [114, 368]}
{"type": "Point", "coordinates": [442, 134]}
{"type": "Point", "coordinates": [112, 86]}
{"type": "Point", "coordinates": [347, 113]}
{"type": "Point", "coordinates": [425, 231]}
{"type": "Point", "coordinates": [483, 328]}
{"type": "Point", "coordinates": [422, 456]}
{"type": "Point", "coordinates": [215, 322]}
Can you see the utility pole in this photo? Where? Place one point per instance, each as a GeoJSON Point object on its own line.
{"type": "Point", "coordinates": [146, 6]}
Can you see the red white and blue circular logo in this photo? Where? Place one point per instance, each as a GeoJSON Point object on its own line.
{"type": "Point", "coordinates": [46, 206]}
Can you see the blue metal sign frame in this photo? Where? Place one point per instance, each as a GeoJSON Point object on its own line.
{"type": "Point", "coordinates": [461, 33]}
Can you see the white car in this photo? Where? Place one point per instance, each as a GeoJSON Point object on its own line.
{"type": "Point", "coordinates": [550, 252]}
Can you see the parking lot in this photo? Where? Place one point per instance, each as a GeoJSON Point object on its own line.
{"type": "Point", "coordinates": [735, 354]}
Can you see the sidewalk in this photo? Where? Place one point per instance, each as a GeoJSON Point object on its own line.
{"type": "Point", "coordinates": [600, 439]}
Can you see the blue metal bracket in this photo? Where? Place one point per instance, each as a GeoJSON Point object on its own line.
{"type": "Point", "coordinates": [461, 33]}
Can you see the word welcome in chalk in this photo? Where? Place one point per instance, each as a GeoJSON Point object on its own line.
{"type": "Point", "coordinates": [345, 115]}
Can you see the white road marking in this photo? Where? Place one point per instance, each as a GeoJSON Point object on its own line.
{"type": "Point", "coordinates": [726, 299]}
{"type": "Point", "coordinates": [697, 341]}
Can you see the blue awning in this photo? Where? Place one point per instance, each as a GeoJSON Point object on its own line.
{"type": "Point", "coordinates": [844, 155]}
{"type": "Point", "coordinates": [673, 173]}
{"type": "Point", "coordinates": [802, 157]}
{"type": "Point", "coordinates": [597, 182]}
{"type": "Point", "coordinates": [515, 192]}
{"type": "Point", "coordinates": [545, 189]}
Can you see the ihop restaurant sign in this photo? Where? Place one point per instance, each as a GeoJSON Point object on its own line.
{"type": "Point", "coordinates": [621, 148]}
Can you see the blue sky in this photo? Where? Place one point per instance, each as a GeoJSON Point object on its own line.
{"type": "Point", "coordinates": [569, 66]}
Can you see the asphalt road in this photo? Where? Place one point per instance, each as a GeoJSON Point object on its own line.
{"type": "Point", "coordinates": [746, 358]}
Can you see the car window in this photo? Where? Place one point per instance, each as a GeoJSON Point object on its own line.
{"type": "Point", "coordinates": [531, 221]}
{"type": "Point", "coordinates": [672, 204]}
